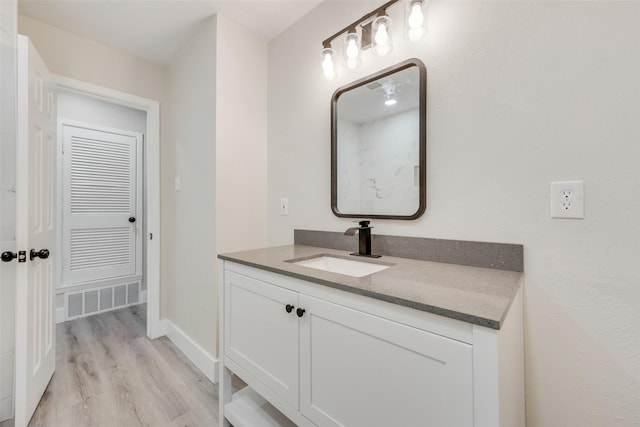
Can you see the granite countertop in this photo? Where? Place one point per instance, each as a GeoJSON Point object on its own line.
{"type": "Point", "coordinates": [480, 296]}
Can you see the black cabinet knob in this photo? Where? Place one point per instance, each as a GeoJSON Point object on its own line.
{"type": "Point", "coordinates": [132, 219]}
{"type": "Point", "coordinates": [300, 312]}
{"type": "Point", "coordinates": [42, 254]}
{"type": "Point", "coordinates": [289, 308]}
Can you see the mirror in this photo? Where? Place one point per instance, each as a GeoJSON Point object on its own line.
{"type": "Point", "coordinates": [378, 144]}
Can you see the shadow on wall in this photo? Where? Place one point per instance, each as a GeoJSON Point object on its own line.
{"type": "Point", "coordinates": [558, 329]}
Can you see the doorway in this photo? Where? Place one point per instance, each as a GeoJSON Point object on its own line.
{"type": "Point", "coordinates": [151, 194]}
{"type": "Point", "coordinates": [100, 209]}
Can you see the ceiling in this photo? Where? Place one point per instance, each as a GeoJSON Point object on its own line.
{"type": "Point", "coordinates": [365, 103]}
{"type": "Point", "coordinates": [157, 29]}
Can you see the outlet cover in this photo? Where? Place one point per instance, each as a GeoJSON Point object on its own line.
{"type": "Point", "coordinates": [567, 199]}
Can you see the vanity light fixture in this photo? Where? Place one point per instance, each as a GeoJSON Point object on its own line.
{"type": "Point", "coordinates": [374, 30]}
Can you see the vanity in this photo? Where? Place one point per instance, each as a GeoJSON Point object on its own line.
{"type": "Point", "coordinates": [415, 343]}
{"type": "Point", "coordinates": [428, 334]}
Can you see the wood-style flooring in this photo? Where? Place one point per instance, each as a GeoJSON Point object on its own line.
{"type": "Point", "coordinates": [109, 374]}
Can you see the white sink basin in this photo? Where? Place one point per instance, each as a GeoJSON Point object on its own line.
{"type": "Point", "coordinates": [348, 267]}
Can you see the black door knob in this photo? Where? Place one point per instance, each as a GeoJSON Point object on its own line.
{"type": "Point", "coordinates": [300, 312]}
{"type": "Point", "coordinates": [42, 254]}
{"type": "Point", "coordinates": [289, 308]}
{"type": "Point", "coordinates": [132, 219]}
{"type": "Point", "coordinates": [9, 256]}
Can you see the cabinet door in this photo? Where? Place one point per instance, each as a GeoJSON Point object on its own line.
{"type": "Point", "coordinates": [362, 370]}
{"type": "Point", "coordinates": [260, 336]}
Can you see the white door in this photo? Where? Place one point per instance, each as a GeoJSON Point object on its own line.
{"type": "Point", "coordinates": [102, 196]}
{"type": "Point", "coordinates": [35, 231]}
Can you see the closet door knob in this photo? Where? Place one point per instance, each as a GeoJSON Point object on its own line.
{"type": "Point", "coordinates": [132, 219]}
{"type": "Point", "coordinates": [300, 312]}
{"type": "Point", "coordinates": [289, 308]}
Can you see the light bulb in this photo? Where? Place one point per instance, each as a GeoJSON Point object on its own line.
{"type": "Point", "coordinates": [390, 102]}
{"type": "Point", "coordinates": [416, 18]}
{"type": "Point", "coordinates": [328, 68]}
{"type": "Point", "coordinates": [352, 50]}
{"type": "Point", "coordinates": [381, 38]}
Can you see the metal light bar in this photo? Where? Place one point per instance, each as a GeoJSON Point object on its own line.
{"type": "Point", "coordinates": [378, 11]}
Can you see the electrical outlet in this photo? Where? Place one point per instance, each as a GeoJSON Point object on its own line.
{"type": "Point", "coordinates": [284, 206]}
{"type": "Point", "coordinates": [567, 199]}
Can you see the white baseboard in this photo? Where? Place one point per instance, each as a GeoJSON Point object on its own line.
{"type": "Point", "coordinates": [60, 317]}
{"type": "Point", "coordinates": [196, 354]}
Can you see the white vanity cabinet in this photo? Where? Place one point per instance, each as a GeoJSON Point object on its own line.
{"type": "Point", "coordinates": [333, 358]}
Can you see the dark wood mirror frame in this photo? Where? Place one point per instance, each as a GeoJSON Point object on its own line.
{"type": "Point", "coordinates": [413, 62]}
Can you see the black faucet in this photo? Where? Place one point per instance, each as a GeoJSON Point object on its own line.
{"type": "Point", "coordinates": [364, 234]}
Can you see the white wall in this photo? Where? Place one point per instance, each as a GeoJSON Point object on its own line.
{"type": "Point", "coordinates": [79, 107]}
{"type": "Point", "coordinates": [191, 296]}
{"type": "Point", "coordinates": [241, 139]}
{"type": "Point", "coordinates": [8, 25]}
{"type": "Point", "coordinates": [218, 98]}
{"type": "Point", "coordinates": [84, 59]}
{"type": "Point", "coordinates": [519, 94]}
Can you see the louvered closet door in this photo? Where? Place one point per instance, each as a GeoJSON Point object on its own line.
{"type": "Point", "coordinates": [102, 173]}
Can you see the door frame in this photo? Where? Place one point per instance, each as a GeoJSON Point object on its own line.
{"type": "Point", "coordinates": [151, 177]}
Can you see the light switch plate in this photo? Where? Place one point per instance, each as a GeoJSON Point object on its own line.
{"type": "Point", "coordinates": [567, 199]}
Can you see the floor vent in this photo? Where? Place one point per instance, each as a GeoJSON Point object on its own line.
{"type": "Point", "coordinates": [98, 300]}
